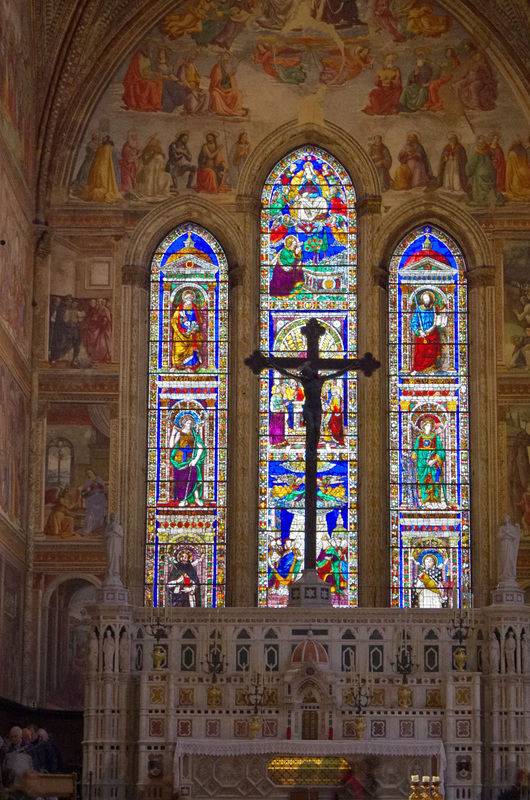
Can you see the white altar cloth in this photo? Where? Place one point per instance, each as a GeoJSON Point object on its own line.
{"type": "Point", "coordinates": [305, 747]}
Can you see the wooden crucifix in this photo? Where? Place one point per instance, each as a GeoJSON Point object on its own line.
{"type": "Point", "coordinates": [308, 376]}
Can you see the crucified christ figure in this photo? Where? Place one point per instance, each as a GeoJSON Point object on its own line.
{"type": "Point", "coordinates": [312, 384]}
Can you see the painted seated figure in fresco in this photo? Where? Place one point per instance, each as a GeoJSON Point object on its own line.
{"type": "Point", "coordinates": [94, 493]}
{"type": "Point", "coordinates": [61, 519]}
{"type": "Point", "coordinates": [429, 456]}
{"type": "Point", "coordinates": [187, 454]}
{"type": "Point", "coordinates": [426, 326]}
{"type": "Point", "coordinates": [430, 587]}
{"type": "Point", "coordinates": [187, 336]}
{"type": "Point", "coordinates": [225, 97]}
{"type": "Point", "coordinates": [212, 167]}
{"type": "Point", "coordinates": [142, 86]}
{"type": "Point", "coordinates": [184, 589]}
{"type": "Point", "coordinates": [384, 98]}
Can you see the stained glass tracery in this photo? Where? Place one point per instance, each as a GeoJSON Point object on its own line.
{"type": "Point", "coordinates": [429, 464]}
{"type": "Point", "coordinates": [186, 494]}
{"type": "Point", "coordinates": [308, 269]}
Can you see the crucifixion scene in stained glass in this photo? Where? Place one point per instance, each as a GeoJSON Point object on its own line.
{"type": "Point", "coordinates": [308, 270]}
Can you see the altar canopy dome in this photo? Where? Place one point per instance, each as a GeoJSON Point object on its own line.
{"type": "Point", "coordinates": [310, 651]}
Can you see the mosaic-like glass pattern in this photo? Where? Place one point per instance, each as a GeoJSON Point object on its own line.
{"type": "Point", "coordinates": [429, 464]}
{"type": "Point", "coordinates": [186, 490]}
{"type": "Point", "coordinates": [308, 269]}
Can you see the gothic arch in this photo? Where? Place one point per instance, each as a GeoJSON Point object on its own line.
{"type": "Point", "coordinates": [174, 212]}
{"type": "Point", "coordinates": [68, 576]}
{"type": "Point", "coordinates": [452, 217]}
{"type": "Point", "coordinates": [332, 138]}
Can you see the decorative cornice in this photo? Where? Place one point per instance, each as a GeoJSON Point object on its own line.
{"type": "Point", "coordinates": [65, 384]}
{"type": "Point", "coordinates": [133, 275]}
{"type": "Point", "coordinates": [369, 205]}
{"type": "Point", "coordinates": [379, 277]}
{"type": "Point", "coordinates": [481, 276]}
{"type": "Point", "coordinates": [238, 276]}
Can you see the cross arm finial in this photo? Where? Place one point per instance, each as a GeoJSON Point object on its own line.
{"type": "Point", "coordinates": [257, 362]}
{"type": "Point", "coordinates": [368, 364]}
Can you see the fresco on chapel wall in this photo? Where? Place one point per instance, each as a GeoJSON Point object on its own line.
{"type": "Point", "coordinates": [80, 320]}
{"type": "Point", "coordinates": [516, 259]}
{"type": "Point", "coordinates": [11, 629]}
{"type": "Point", "coordinates": [16, 91]}
{"type": "Point", "coordinates": [80, 331]}
{"type": "Point", "coordinates": [213, 77]}
{"type": "Point", "coordinates": [77, 470]}
{"type": "Point", "coordinates": [14, 409]}
{"type": "Point", "coordinates": [16, 259]}
{"type": "Point", "coordinates": [518, 465]}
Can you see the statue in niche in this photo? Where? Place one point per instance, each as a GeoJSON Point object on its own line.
{"type": "Point", "coordinates": [509, 538]}
{"type": "Point", "coordinates": [509, 652]}
{"type": "Point", "coordinates": [494, 653]}
{"type": "Point", "coordinates": [108, 652]}
{"type": "Point", "coordinates": [125, 652]}
{"type": "Point", "coordinates": [113, 535]}
{"type": "Point", "coordinates": [93, 648]}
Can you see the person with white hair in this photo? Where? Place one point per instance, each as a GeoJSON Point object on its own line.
{"type": "Point", "coordinates": [16, 757]}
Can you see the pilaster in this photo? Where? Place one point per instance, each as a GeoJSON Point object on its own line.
{"type": "Point", "coordinates": [483, 424]}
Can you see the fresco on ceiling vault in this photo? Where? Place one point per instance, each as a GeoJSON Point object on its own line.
{"type": "Point", "coordinates": [214, 77]}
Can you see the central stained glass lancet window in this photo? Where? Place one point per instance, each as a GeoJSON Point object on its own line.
{"type": "Point", "coordinates": [308, 269]}
{"type": "Point", "coordinates": [186, 493]}
{"type": "Point", "coordinates": [429, 463]}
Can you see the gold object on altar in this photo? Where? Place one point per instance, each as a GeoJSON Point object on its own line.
{"type": "Point", "coordinates": [254, 726]}
{"type": "Point", "coordinates": [159, 657]}
{"type": "Point", "coordinates": [460, 658]}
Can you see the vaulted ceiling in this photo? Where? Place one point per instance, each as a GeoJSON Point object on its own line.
{"type": "Point", "coordinates": [80, 43]}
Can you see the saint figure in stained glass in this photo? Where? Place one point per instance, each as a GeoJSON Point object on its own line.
{"type": "Point", "coordinates": [426, 325]}
{"type": "Point", "coordinates": [429, 456]}
{"type": "Point", "coordinates": [187, 457]}
{"type": "Point", "coordinates": [186, 497]}
{"type": "Point", "coordinates": [186, 322]}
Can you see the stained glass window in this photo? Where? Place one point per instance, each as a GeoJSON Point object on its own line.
{"type": "Point", "coordinates": [186, 493]}
{"type": "Point", "coordinates": [308, 269]}
{"type": "Point", "coordinates": [429, 466]}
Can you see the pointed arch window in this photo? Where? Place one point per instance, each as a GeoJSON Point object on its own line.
{"type": "Point", "coordinates": [186, 494]}
{"type": "Point", "coordinates": [429, 464]}
{"type": "Point", "coordinates": [308, 269]}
